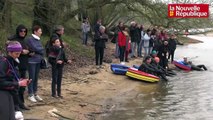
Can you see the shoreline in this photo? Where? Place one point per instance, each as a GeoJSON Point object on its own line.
{"type": "Point", "coordinates": [88, 93]}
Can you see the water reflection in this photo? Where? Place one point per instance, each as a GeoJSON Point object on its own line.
{"type": "Point", "coordinates": [189, 96]}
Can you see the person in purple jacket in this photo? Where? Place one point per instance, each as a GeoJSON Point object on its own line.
{"type": "Point", "coordinates": [10, 81]}
{"type": "Point", "coordinates": [36, 55]}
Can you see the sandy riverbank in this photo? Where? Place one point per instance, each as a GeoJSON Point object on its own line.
{"type": "Point", "coordinates": [85, 93]}
{"type": "Point", "coordinates": [88, 93]}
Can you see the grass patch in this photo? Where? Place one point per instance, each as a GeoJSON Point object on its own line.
{"type": "Point", "coordinates": [3, 39]}
{"type": "Point", "coordinates": [22, 15]}
{"type": "Point", "coordinates": [76, 46]}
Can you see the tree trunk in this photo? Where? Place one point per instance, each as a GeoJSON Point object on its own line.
{"type": "Point", "coordinates": [5, 15]}
{"type": "Point", "coordinates": [41, 12]}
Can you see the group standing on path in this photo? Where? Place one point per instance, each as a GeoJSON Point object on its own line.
{"type": "Point", "coordinates": [25, 55]}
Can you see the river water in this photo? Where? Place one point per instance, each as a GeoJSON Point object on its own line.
{"type": "Point", "coordinates": [187, 96]}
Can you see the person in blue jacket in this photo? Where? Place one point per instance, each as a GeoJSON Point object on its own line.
{"type": "Point", "coordinates": [199, 67]}
{"type": "Point", "coordinates": [36, 55]}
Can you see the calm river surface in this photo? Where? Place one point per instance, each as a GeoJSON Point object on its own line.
{"type": "Point", "coordinates": [188, 96]}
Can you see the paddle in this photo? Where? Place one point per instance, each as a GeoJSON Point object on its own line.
{"type": "Point", "coordinates": [193, 57]}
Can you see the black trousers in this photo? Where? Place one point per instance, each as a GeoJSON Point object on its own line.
{"type": "Point", "coordinates": [163, 62]}
{"type": "Point", "coordinates": [198, 67]}
{"type": "Point", "coordinates": [122, 52]}
{"type": "Point", "coordinates": [21, 89]}
{"type": "Point", "coordinates": [99, 54]}
{"type": "Point", "coordinates": [7, 111]}
{"type": "Point", "coordinates": [171, 53]}
{"type": "Point", "coordinates": [57, 72]}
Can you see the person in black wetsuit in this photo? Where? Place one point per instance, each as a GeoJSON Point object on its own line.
{"type": "Point", "coordinates": [172, 47]}
{"type": "Point", "coordinates": [167, 72]}
{"type": "Point", "coordinates": [162, 54]}
{"type": "Point", "coordinates": [148, 68]}
{"type": "Point", "coordinates": [199, 67]}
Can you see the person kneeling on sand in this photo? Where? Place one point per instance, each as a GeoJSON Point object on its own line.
{"type": "Point", "coordinates": [167, 72]}
{"type": "Point", "coordinates": [200, 67]}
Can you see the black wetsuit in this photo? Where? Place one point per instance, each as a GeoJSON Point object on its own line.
{"type": "Point", "coordinates": [148, 68]}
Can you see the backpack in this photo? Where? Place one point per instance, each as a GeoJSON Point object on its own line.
{"type": "Point", "coordinates": [10, 70]}
{"type": "Point", "coordinates": [5, 60]}
{"type": "Point", "coordinates": [47, 48]}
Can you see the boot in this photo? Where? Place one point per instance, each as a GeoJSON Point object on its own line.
{"type": "Point", "coordinates": [23, 107]}
{"type": "Point", "coordinates": [164, 77]}
{"type": "Point", "coordinates": [126, 60]}
{"type": "Point", "coordinates": [204, 67]}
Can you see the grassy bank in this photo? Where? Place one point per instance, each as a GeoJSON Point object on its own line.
{"type": "Point", "coordinates": [74, 45]}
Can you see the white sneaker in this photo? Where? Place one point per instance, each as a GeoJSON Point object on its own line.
{"type": "Point", "coordinates": [122, 63]}
{"type": "Point", "coordinates": [97, 66]}
{"type": "Point", "coordinates": [32, 98]}
{"type": "Point", "coordinates": [19, 115]}
{"type": "Point", "coordinates": [38, 98]}
{"type": "Point", "coordinates": [101, 66]}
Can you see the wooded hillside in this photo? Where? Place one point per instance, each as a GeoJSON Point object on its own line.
{"type": "Point", "coordinates": [70, 13]}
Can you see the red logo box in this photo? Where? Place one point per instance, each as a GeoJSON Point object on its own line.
{"type": "Point", "coordinates": [188, 10]}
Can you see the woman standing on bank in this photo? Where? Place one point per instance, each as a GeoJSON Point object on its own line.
{"type": "Point", "coordinates": [100, 39]}
{"type": "Point", "coordinates": [36, 55]}
{"type": "Point", "coordinates": [10, 81]}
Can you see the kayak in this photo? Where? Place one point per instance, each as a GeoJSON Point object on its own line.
{"type": "Point", "coordinates": [136, 71]}
{"type": "Point", "coordinates": [179, 64]}
{"type": "Point", "coordinates": [135, 66]}
{"type": "Point", "coordinates": [119, 69]}
{"type": "Point", "coordinates": [139, 75]}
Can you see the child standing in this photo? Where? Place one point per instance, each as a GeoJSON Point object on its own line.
{"type": "Point", "coordinates": [57, 58]}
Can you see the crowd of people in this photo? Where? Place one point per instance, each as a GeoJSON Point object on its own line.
{"type": "Point", "coordinates": [151, 39]}
{"type": "Point", "coordinates": [24, 54]}
{"type": "Point", "coordinates": [131, 41]}
{"type": "Point", "coordinates": [158, 45]}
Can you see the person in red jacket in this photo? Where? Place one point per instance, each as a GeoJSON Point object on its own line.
{"type": "Point", "coordinates": [128, 44]}
{"type": "Point", "coordinates": [122, 45]}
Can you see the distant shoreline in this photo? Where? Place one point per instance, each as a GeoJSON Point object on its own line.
{"type": "Point", "coordinates": [187, 40]}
